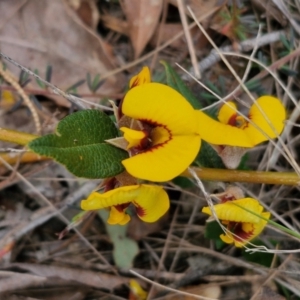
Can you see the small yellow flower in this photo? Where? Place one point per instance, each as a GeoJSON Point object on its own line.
{"type": "Point", "coordinates": [136, 291]}
{"type": "Point", "coordinates": [150, 202]}
{"type": "Point", "coordinates": [242, 225]}
{"type": "Point", "coordinates": [267, 115]}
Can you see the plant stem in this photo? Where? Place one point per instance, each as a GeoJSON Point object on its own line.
{"type": "Point", "coordinates": [28, 157]}
{"type": "Point", "coordinates": [17, 137]}
{"type": "Point", "coordinates": [284, 178]}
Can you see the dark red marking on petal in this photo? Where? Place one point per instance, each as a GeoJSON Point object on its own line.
{"type": "Point", "coordinates": [240, 234]}
{"type": "Point", "coordinates": [232, 120]}
{"type": "Point", "coordinates": [227, 198]}
{"type": "Point", "coordinates": [146, 143]}
{"type": "Point", "coordinates": [139, 210]}
{"type": "Point", "coordinates": [121, 207]}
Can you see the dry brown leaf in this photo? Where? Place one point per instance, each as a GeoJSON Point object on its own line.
{"type": "Point", "coordinates": [166, 32]}
{"type": "Point", "coordinates": [90, 278]}
{"type": "Point", "coordinates": [49, 32]}
{"type": "Point", "coordinates": [142, 17]}
{"type": "Point", "coordinates": [270, 9]}
{"type": "Point", "coordinates": [87, 11]}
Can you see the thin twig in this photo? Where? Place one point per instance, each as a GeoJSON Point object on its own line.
{"type": "Point", "coordinates": [8, 78]}
{"type": "Point", "coordinates": [73, 99]}
{"type": "Point", "coordinates": [55, 212]}
{"type": "Point", "coordinates": [168, 288]}
{"type": "Point", "coordinates": [188, 37]}
{"type": "Point", "coordinates": [244, 46]}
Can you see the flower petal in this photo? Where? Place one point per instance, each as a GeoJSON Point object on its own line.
{"type": "Point", "coordinates": [229, 211]}
{"type": "Point", "coordinates": [137, 290]}
{"type": "Point", "coordinates": [164, 162]}
{"type": "Point", "coordinates": [254, 229]}
{"type": "Point", "coordinates": [161, 105]}
{"type": "Point", "coordinates": [227, 112]}
{"type": "Point", "coordinates": [152, 203]}
{"type": "Point", "coordinates": [275, 113]}
{"type": "Point", "coordinates": [141, 78]}
{"type": "Point", "coordinates": [117, 217]}
{"type": "Point", "coordinates": [117, 196]}
{"type": "Point", "coordinates": [133, 137]}
{"type": "Point", "coordinates": [217, 133]}
{"type": "Point", "coordinates": [247, 232]}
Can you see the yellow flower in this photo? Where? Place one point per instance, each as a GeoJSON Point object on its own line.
{"type": "Point", "coordinates": [238, 131]}
{"type": "Point", "coordinates": [150, 202]}
{"type": "Point", "coordinates": [141, 78]}
{"type": "Point", "coordinates": [136, 291]}
{"type": "Point", "coordinates": [170, 141]}
{"type": "Point", "coordinates": [242, 225]}
{"type": "Point", "coordinates": [167, 133]}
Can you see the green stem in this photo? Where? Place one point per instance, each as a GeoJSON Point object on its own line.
{"type": "Point", "coordinates": [284, 178]}
{"type": "Point", "coordinates": [284, 229]}
{"type": "Point", "coordinates": [17, 137]}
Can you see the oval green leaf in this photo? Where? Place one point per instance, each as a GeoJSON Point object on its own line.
{"type": "Point", "coordinates": [79, 144]}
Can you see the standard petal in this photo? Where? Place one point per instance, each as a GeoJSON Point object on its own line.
{"type": "Point", "coordinates": [117, 196]}
{"type": "Point", "coordinates": [274, 111]}
{"type": "Point", "coordinates": [161, 105]}
{"type": "Point", "coordinates": [217, 133]}
{"type": "Point", "coordinates": [164, 162]}
{"type": "Point", "coordinates": [233, 210]}
{"type": "Point", "coordinates": [141, 78]}
{"type": "Point", "coordinates": [152, 203]}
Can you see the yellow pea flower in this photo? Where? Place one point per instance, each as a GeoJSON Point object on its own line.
{"type": "Point", "coordinates": [136, 291]}
{"type": "Point", "coordinates": [150, 202]}
{"type": "Point", "coordinates": [170, 123]}
{"type": "Point", "coordinates": [238, 131]}
{"type": "Point", "coordinates": [242, 225]}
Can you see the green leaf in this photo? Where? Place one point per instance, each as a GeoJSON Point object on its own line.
{"type": "Point", "coordinates": [40, 83]}
{"type": "Point", "coordinates": [48, 73]}
{"type": "Point", "coordinates": [175, 82]}
{"type": "Point", "coordinates": [125, 249]}
{"type": "Point", "coordinates": [79, 144]}
{"type": "Point", "coordinates": [183, 182]}
{"type": "Point", "coordinates": [213, 230]}
{"type": "Point", "coordinates": [208, 157]}
{"type": "Point", "coordinates": [74, 86]}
